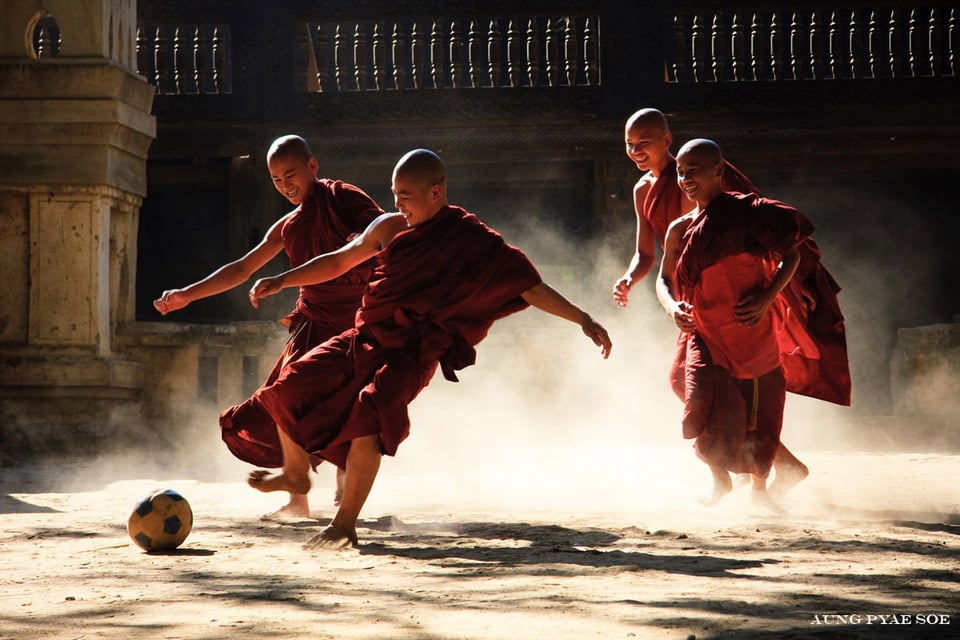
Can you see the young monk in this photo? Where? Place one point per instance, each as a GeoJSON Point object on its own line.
{"type": "Point", "coordinates": [723, 268]}
{"type": "Point", "coordinates": [328, 214]}
{"type": "Point", "coordinates": [659, 200]}
{"type": "Point", "coordinates": [442, 278]}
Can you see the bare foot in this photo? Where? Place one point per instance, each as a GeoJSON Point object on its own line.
{"type": "Point", "coordinates": [332, 538]}
{"type": "Point", "coordinates": [722, 485]}
{"type": "Point", "coordinates": [298, 508]}
{"type": "Point", "coordinates": [762, 499]}
{"type": "Point", "coordinates": [786, 477]}
{"type": "Point", "coordinates": [263, 480]}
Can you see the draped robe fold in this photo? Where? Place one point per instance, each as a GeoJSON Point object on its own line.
{"type": "Point", "coordinates": [335, 212]}
{"type": "Point", "coordinates": [811, 331]}
{"type": "Point", "coordinates": [433, 295]}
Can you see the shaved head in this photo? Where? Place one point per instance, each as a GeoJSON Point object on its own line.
{"type": "Point", "coordinates": [648, 118]}
{"type": "Point", "coordinates": [289, 147]}
{"type": "Point", "coordinates": [707, 151]}
{"type": "Point", "coordinates": [422, 167]}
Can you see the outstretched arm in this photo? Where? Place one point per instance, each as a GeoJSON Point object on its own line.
{"type": "Point", "coordinates": [330, 265]}
{"type": "Point", "coordinates": [226, 277]}
{"type": "Point", "coordinates": [680, 311]}
{"type": "Point", "coordinates": [545, 297]}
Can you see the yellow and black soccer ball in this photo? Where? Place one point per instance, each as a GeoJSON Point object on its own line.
{"type": "Point", "coordinates": [161, 520]}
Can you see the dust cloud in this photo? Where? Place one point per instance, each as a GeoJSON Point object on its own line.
{"type": "Point", "coordinates": [543, 423]}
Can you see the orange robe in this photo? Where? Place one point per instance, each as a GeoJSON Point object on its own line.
{"type": "Point", "coordinates": [810, 331]}
{"type": "Point", "coordinates": [331, 217]}
{"type": "Point", "coordinates": [730, 375]}
{"type": "Point", "coordinates": [434, 294]}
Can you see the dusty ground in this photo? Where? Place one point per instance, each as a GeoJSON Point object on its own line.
{"type": "Point", "coordinates": [872, 539]}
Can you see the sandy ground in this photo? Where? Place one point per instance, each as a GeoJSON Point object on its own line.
{"type": "Point", "coordinates": [869, 550]}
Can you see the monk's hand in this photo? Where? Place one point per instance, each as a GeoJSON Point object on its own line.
{"type": "Point", "coordinates": [621, 290]}
{"type": "Point", "coordinates": [264, 287]}
{"type": "Point", "coordinates": [170, 300]}
{"type": "Point", "coordinates": [682, 315]}
{"type": "Point", "coordinates": [751, 308]}
{"type": "Point", "coordinates": [593, 330]}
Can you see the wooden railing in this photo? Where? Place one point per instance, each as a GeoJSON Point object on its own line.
{"type": "Point", "coordinates": [821, 42]}
{"type": "Point", "coordinates": [531, 51]}
{"type": "Point", "coordinates": [185, 58]}
{"type": "Point", "coordinates": [247, 61]}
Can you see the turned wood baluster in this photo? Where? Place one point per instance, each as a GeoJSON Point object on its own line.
{"type": "Point", "coordinates": [718, 43]}
{"type": "Point", "coordinates": [953, 42]}
{"type": "Point", "coordinates": [201, 57]}
{"type": "Point", "coordinates": [320, 53]}
{"type": "Point", "coordinates": [360, 56]}
{"type": "Point", "coordinates": [160, 60]}
{"type": "Point", "coordinates": [570, 51]}
{"type": "Point", "coordinates": [738, 48]}
{"type": "Point", "coordinates": [591, 52]}
{"type": "Point", "coordinates": [815, 47]}
{"type": "Point", "coordinates": [552, 47]}
{"type": "Point", "coordinates": [777, 46]}
{"type": "Point", "coordinates": [475, 54]}
{"type": "Point", "coordinates": [934, 35]}
{"type": "Point", "coordinates": [680, 49]}
{"type": "Point", "coordinates": [894, 44]}
{"type": "Point", "coordinates": [493, 52]}
{"type": "Point", "coordinates": [417, 57]}
{"type": "Point", "coordinates": [456, 56]}
{"type": "Point", "coordinates": [436, 55]}
{"type": "Point", "coordinates": [875, 43]}
{"type": "Point", "coordinates": [397, 57]}
{"type": "Point", "coordinates": [340, 58]}
{"type": "Point", "coordinates": [379, 58]}
{"type": "Point", "coordinates": [757, 52]}
{"type": "Point", "coordinates": [533, 53]}
{"type": "Point", "coordinates": [698, 49]}
{"type": "Point", "coordinates": [513, 54]}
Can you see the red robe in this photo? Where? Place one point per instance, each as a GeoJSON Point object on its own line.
{"type": "Point", "coordinates": [811, 332]}
{"type": "Point", "coordinates": [331, 217]}
{"type": "Point", "coordinates": [436, 290]}
{"type": "Point", "coordinates": [732, 382]}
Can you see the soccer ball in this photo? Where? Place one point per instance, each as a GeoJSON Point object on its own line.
{"type": "Point", "coordinates": [161, 520]}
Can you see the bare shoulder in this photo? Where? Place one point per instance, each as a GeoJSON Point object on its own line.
{"type": "Point", "coordinates": [644, 183]}
{"type": "Point", "coordinates": [679, 226]}
{"type": "Point", "coordinates": [385, 226]}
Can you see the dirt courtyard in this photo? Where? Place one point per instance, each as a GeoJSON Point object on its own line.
{"type": "Point", "coordinates": [869, 549]}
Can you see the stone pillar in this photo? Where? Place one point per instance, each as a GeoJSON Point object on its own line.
{"type": "Point", "coordinates": [75, 128]}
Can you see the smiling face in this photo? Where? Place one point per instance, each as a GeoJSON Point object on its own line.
{"type": "Point", "coordinates": [417, 200]}
{"type": "Point", "coordinates": [293, 176]}
{"type": "Point", "coordinates": [647, 145]}
{"type": "Point", "coordinates": [699, 170]}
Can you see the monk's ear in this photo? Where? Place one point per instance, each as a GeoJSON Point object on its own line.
{"type": "Point", "coordinates": [721, 166]}
{"type": "Point", "coordinates": [313, 165]}
{"type": "Point", "coordinates": [668, 139]}
{"type": "Point", "coordinates": [436, 191]}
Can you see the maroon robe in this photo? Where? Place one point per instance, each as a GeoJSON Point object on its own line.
{"type": "Point", "coordinates": [436, 290]}
{"type": "Point", "coordinates": [333, 214]}
{"type": "Point", "coordinates": [811, 335]}
{"type": "Point", "coordinates": [732, 382]}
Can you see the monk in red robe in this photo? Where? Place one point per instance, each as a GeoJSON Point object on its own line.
{"type": "Point", "coordinates": [725, 265]}
{"type": "Point", "coordinates": [328, 214]}
{"type": "Point", "coordinates": [441, 279]}
{"type": "Point", "coordinates": [812, 339]}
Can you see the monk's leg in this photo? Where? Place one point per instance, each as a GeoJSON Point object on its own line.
{"type": "Point", "coordinates": [789, 471]}
{"type": "Point", "coordinates": [294, 478]}
{"type": "Point", "coordinates": [338, 494]}
{"type": "Point", "coordinates": [722, 485]}
{"type": "Point", "coordinates": [363, 463]}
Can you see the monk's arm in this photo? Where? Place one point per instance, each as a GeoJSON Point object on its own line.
{"type": "Point", "coordinates": [334, 263]}
{"type": "Point", "coordinates": [544, 297]}
{"type": "Point", "coordinates": [642, 260]}
{"type": "Point", "coordinates": [228, 276]}
{"type": "Point", "coordinates": [680, 311]}
{"type": "Point", "coordinates": [751, 308]}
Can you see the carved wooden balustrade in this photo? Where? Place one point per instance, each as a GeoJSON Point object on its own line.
{"type": "Point", "coordinates": [819, 42]}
